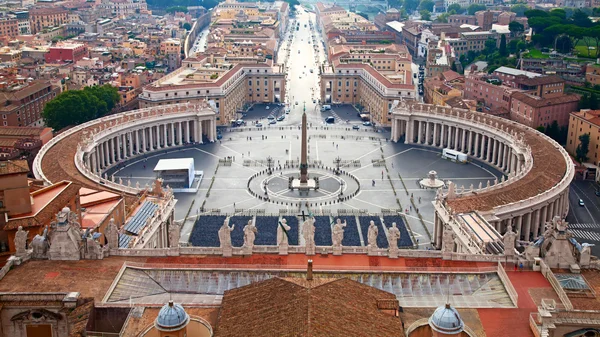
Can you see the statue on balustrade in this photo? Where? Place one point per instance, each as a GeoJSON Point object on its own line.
{"type": "Point", "coordinates": [372, 235]}
{"type": "Point", "coordinates": [337, 235]}
{"type": "Point", "coordinates": [250, 231]}
{"type": "Point", "coordinates": [112, 234]}
{"type": "Point", "coordinates": [448, 240]}
{"type": "Point", "coordinates": [174, 233]}
{"type": "Point", "coordinates": [282, 232]}
{"type": "Point", "coordinates": [40, 245]}
{"type": "Point", "coordinates": [21, 241]}
{"type": "Point", "coordinates": [393, 237]}
{"type": "Point", "coordinates": [308, 233]}
{"type": "Point", "coordinates": [225, 234]}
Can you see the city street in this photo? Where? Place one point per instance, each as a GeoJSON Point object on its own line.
{"type": "Point", "coordinates": [583, 220]}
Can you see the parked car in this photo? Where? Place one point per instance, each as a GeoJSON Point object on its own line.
{"type": "Point", "coordinates": [280, 118]}
{"type": "Point", "coordinates": [270, 117]}
{"type": "Point", "coordinates": [581, 203]}
{"type": "Point", "coordinates": [273, 121]}
{"type": "Point", "coordinates": [355, 127]}
{"type": "Point", "coordinates": [367, 124]}
{"type": "Point", "coordinates": [258, 125]}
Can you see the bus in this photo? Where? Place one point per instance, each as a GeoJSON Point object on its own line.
{"type": "Point", "coordinates": [455, 156]}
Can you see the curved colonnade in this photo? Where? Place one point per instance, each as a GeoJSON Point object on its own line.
{"type": "Point", "coordinates": [539, 170]}
{"type": "Point", "coordinates": [98, 145]}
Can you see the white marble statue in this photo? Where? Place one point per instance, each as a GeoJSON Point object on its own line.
{"type": "Point", "coordinates": [250, 231]}
{"type": "Point", "coordinates": [308, 233]}
{"type": "Point", "coordinates": [393, 237]}
{"type": "Point", "coordinates": [21, 241]}
{"type": "Point", "coordinates": [337, 235]}
{"type": "Point", "coordinates": [282, 235]}
{"type": "Point", "coordinates": [372, 235]}
{"type": "Point", "coordinates": [225, 234]}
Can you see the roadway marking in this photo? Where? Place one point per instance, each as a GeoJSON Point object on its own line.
{"type": "Point", "coordinates": [593, 236]}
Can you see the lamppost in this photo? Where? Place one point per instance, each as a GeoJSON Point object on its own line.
{"type": "Point", "coordinates": [337, 161]}
{"type": "Point", "coordinates": [269, 164]}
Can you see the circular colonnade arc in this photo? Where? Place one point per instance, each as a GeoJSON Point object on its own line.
{"type": "Point", "coordinates": [539, 170]}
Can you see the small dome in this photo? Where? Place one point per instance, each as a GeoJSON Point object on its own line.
{"type": "Point", "coordinates": [446, 320]}
{"type": "Point", "coordinates": [171, 317]}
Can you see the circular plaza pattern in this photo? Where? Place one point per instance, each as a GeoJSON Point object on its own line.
{"type": "Point", "coordinates": [516, 175]}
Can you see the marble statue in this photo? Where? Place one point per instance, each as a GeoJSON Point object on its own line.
{"type": "Point", "coordinates": [225, 234]}
{"type": "Point", "coordinates": [372, 235]}
{"type": "Point", "coordinates": [112, 234]}
{"type": "Point", "coordinates": [448, 240]}
{"type": "Point", "coordinates": [66, 237]}
{"type": "Point", "coordinates": [174, 234]}
{"type": "Point", "coordinates": [250, 231]}
{"type": "Point", "coordinates": [137, 185]}
{"type": "Point", "coordinates": [282, 235]}
{"type": "Point", "coordinates": [509, 241]}
{"type": "Point", "coordinates": [21, 241]}
{"type": "Point", "coordinates": [308, 233]}
{"type": "Point", "coordinates": [337, 235]}
{"type": "Point", "coordinates": [393, 237]}
{"type": "Point", "coordinates": [40, 245]}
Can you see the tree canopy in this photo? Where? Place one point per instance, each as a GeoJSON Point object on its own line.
{"type": "Point", "coordinates": [74, 107]}
{"type": "Point", "coordinates": [427, 5]}
{"type": "Point", "coordinates": [425, 15]}
{"type": "Point", "coordinates": [474, 8]}
{"type": "Point", "coordinates": [582, 149]}
{"type": "Point", "coordinates": [456, 8]}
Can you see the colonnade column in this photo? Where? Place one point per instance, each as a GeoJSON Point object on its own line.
{"type": "Point", "coordinates": [536, 222]}
{"type": "Point", "coordinates": [165, 135]}
{"type": "Point", "coordinates": [427, 133]}
{"type": "Point", "coordinates": [495, 151]}
{"type": "Point", "coordinates": [420, 132]}
{"type": "Point", "coordinates": [435, 132]}
{"type": "Point", "coordinates": [489, 149]}
{"type": "Point", "coordinates": [527, 228]}
{"type": "Point", "coordinates": [455, 146]}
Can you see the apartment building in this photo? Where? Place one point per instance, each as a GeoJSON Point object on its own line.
{"type": "Point", "coordinates": [580, 123]}
{"type": "Point", "coordinates": [359, 75]}
{"type": "Point", "coordinates": [440, 89]}
{"type": "Point", "coordinates": [66, 52]}
{"type": "Point", "coordinates": [489, 91]}
{"type": "Point", "coordinates": [474, 41]}
{"type": "Point", "coordinates": [41, 18]}
{"type": "Point", "coordinates": [22, 105]}
{"type": "Point", "coordinates": [229, 87]}
{"type": "Point", "coordinates": [440, 57]}
{"type": "Point", "coordinates": [535, 111]}
{"type": "Point", "coordinates": [9, 27]}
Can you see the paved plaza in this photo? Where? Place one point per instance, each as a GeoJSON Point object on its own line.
{"type": "Point", "coordinates": [388, 173]}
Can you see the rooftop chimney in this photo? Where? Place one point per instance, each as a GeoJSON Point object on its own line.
{"type": "Point", "coordinates": [309, 271]}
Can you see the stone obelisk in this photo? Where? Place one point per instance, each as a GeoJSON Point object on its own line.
{"type": "Point", "coordinates": [303, 160]}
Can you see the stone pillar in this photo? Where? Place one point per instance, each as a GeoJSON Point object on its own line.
{"type": "Point", "coordinates": [470, 145]}
{"type": "Point", "coordinates": [408, 139]}
{"type": "Point", "coordinates": [187, 132]}
{"type": "Point", "coordinates": [172, 133]}
{"type": "Point", "coordinates": [101, 158]}
{"type": "Point", "coordinates": [501, 155]}
{"type": "Point", "coordinates": [435, 134]}
{"type": "Point", "coordinates": [111, 148]}
{"type": "Point", "coordinates": [449, 136]}
{"type": "Point", "coordinates": [495, 153]}
{"type": "Point", "coordinates": [419, 132]}
{"type": "Point", "coordinates": [536, 223]}
{"type": "Point", "coordinates": [527, 229]}
{"type": "Point", "coordinates": [92, 161]}
{"type": "Point", "coordinates": [456, 144]}
{"type": "Point", "coordinates": [165, 135]}
{"type": "Point", "coordinates": [489, 150]}
{"type": "Point", "coordinates": [476, 149]}
{"type": "Point", "coordinates": [551, 205]}
{"type": "Point", "coordinates": [463, 145]}
{"type": "Point", "coordinates": [519, 226]}
{"type": "Point", "coordinates": [200, 132]}
{"type": "Point", "coordinates": [393, 133]}
{"type": "Point", "coordinates": [498, 226]}
{"type": "Point", "coordinates": [427, 133]}
{"type": "Point", "coordinates": [151, 137]}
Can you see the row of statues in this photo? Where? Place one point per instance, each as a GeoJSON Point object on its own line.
{"type": "Point", "coordinates": [307, 231]}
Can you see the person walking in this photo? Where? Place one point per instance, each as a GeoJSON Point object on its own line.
{"type": "Point", "coordinates": [373, 183]}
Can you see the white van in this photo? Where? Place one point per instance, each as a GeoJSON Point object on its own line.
{"type": "Point", "coordinates": [455, 156]}
{"type": "Point", "coordinates": [326, 108]}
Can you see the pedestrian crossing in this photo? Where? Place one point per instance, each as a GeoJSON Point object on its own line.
{"type": "Point", "coordinates": [583, 225]}
{"type": "Point", "coordinates": [586, 235]}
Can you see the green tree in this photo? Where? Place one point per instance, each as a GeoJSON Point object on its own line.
{"type": "Point", "coordinates": [559, 13]}
{"type": "Point", "coordinates": [583, 148]}
{"type": "Point", "coordinates": [174, 9]}
{"type": "Point", "coordinates": [425, 15]}
{"type": "Point", "coordinates": [541, 128]}
{"type": "Point", "coordinates": [411, 5]}
{"type": "Point", "coordinates": [474, 8]}
{"type": "Point", "coordinates": [581, 19]}
{"type": "Point", "coordinates": [426, 5]}
{"type": "Point", "coordinates": [584, 102]}
{"type": "Point", "coordinates": [490, 47]}
{"type": "Point", "coordinates": [187, 26]}
{"type": "Point", "coordinates": [519, 9]}
{"type": "Point", "coordinates": [553, 131]}
{"type": "Point", "coordinates": [443, 18]}
{"type": "Point", "coordinates": [516, 28]}
{"type": "Point", "coordinates": [74, 107]}
{"type": "Point", "coordinates": [593, 101]}
{"type": "Point", "coordinates": [503, 51]}
{"type": "Point", "coordinates": [456, 8]}
{"type": "Point", "coordinates": [531, 13]}
{"type": "Point", "coordinates": [364, 15]}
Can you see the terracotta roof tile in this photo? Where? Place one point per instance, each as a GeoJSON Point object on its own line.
{"type": "Point", "coordinates": [13, 167]}
{"type": "Point", "coordinates": [282, 307]}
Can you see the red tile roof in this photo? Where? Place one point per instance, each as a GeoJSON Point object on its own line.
{"type": "Point", "coordinates": [297, 307]}
{"type": "Point", "coordinates": [13, 167]}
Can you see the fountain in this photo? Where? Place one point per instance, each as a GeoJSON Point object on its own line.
{"type": "Point", "coordinates": [431, 181]}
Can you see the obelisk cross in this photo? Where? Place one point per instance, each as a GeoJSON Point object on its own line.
{"type": "Point", "coordinates": [303, 157]}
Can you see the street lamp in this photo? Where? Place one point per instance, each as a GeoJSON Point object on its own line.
{"type": "Point", "coordinates": [269, 164]}
{"type": "Point", "coordinates": [337, 161]}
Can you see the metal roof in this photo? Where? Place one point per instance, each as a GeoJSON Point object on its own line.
{"type": "Point", "coordinates": [138, 221]}
{"type": "Point", "coordinates": [124, 240]}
